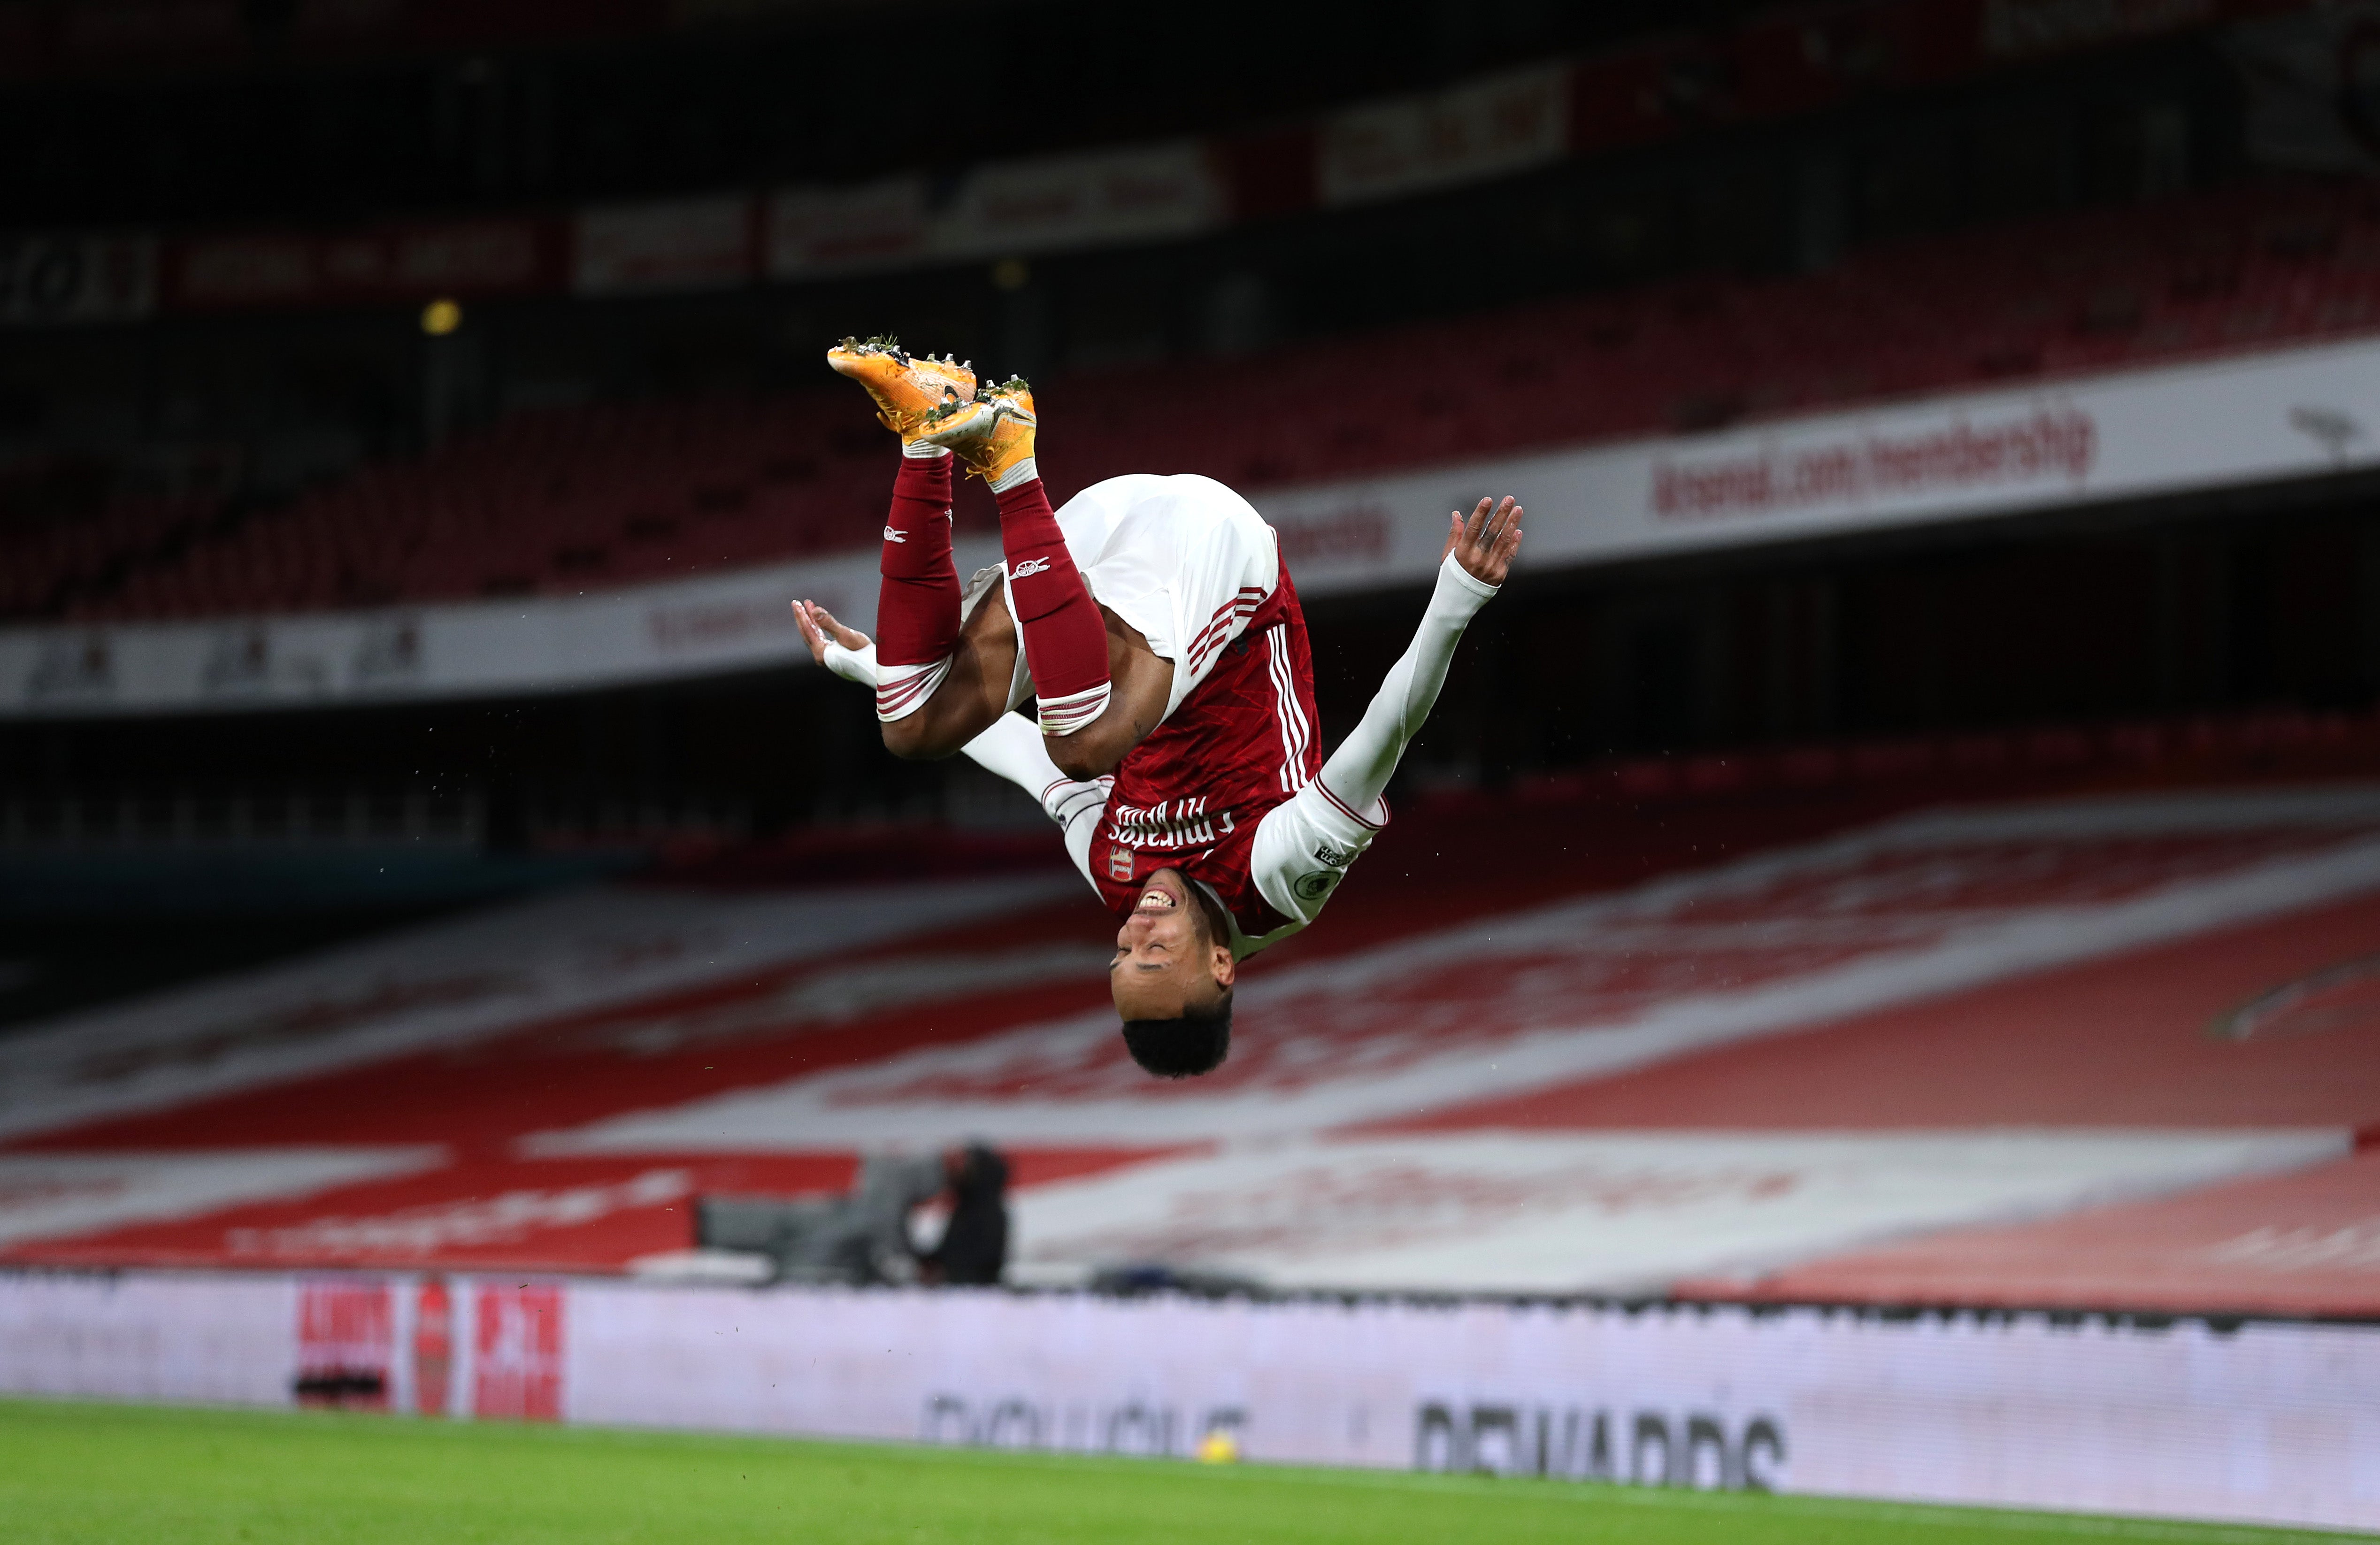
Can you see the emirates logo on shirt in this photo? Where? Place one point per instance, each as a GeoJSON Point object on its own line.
{"type": "Point", "coordinates": [1028, 567]}
{"type": "Point", "coordinates": [1170, 823]}
{"type": "Point", "coordinates": [1120, 863]}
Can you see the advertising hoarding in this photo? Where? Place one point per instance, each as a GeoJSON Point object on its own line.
{"type": "Point", "coordinates": [2269, 1422]}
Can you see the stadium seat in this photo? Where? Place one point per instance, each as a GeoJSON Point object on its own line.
{"type": "Point", "coordinates": [560, 500]}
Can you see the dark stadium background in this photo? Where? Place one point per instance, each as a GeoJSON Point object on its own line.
{"type": "Point", "coordinates": [264, 116]}
{"type": "Point", "coordinates": [1870, 989]}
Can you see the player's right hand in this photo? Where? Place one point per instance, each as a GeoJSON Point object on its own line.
{"type": "Point", "coordinates": [1484, 544]}
{"type": "Point", "coordinates": [818, 626]}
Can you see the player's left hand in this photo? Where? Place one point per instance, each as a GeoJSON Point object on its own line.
{"type": "Point", "coordinates": [1483, 546]}
{"type": "Point", "coordinates": [818, 626]}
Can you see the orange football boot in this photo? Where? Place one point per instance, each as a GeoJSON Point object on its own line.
{"type": "Point", "coordinates": [992, 433]}
{"type": "Point", "coordinates": [906, 388]}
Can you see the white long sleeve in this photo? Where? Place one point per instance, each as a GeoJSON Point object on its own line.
{"type": "Point", "coordinates": [1303, 848]}
{"type": "Point", "coordinates": [1012, 748]}
{"type": "Point", "coordinates": [853, 664]}
{"type": "Point", "coordinates": [1364, 762]}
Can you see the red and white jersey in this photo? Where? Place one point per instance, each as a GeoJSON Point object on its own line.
{"type": "Point", "coordinates": [1226, 790]}
{"type": "Point", "coordinates": [1183, 559]}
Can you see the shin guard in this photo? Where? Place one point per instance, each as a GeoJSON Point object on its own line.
{"type": "Point", "coordinates": [918, 604]}
{"type": "Point", "coordinates": [1065, 642]}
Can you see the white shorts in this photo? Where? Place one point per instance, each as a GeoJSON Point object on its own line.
{"type": "Point", "coordinates": [1182, 559]}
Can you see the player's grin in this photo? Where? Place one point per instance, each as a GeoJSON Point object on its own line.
{"type": "Point", "coordinates": [1159, 927]}
{"type": "Point", "coordinates": [1161, 893]}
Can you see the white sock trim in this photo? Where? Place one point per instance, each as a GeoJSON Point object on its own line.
{"type": "Point", "coordinates": [1065, 799]}
{"type": "Point", "coordinates": [1023, 472]}
{"type": "Point", "coordinates": [919, 450]}
{"type": "Point", "coordinates": [1065, 715]}
{"type": "Point", "coordinates": [901, 690]}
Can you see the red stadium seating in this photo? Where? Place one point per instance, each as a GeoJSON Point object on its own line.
{"type": "Point", "coordinates": [43, 563]}
{"type": "Point", "coordinates": [1857, 1026]}
{"type": "Point", "coordinates": [563, 501]}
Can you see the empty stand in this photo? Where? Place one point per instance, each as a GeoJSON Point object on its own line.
{"type": "Point", "coordinates": [46, 565]}
{"type": "Point", "coordinates": [547, 501]}
{"type": "Point", "coordinates": [563, 501]}
{"type": "Point", "coordinates": [2106, 1037]}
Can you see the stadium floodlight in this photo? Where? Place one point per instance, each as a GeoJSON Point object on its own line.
{"type": "Point", "coordinates": [440, 317]}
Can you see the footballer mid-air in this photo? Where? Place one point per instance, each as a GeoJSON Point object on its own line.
{"type": "Point", "coordinates": [1156, 629]}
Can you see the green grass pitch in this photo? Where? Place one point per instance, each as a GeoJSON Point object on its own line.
{"type": "Point", "coordinates": [72, 1472]}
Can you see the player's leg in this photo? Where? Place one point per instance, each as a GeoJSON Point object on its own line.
{"type": "Point", "coordinates": [973, 693]}
{"type": "Point", "coordinates": [933, 679]}
{"type": "Point", "coordinates": [918, 604]}
{"type": "Point", "coordinates": [1063, 636]}
{"type": "Point", "coordinates": [917, 598]}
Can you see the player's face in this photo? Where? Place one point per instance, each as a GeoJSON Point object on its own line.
{"type": "Point", "coordinates": [1164, 961]}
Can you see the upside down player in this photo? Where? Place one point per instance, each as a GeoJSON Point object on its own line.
{"type": "Point", "coordinates": [1165, 650]}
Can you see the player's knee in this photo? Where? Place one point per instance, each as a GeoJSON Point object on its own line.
{"type": "Point", "coordinates": [1183, 1048]}
{"type": "Point", "coordinates": [1077, 761]}
{"type": "Point", "coordinates": [911, 740]}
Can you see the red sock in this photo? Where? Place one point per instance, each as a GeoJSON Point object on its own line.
{"type": "Point", "coordinates": [1066, 641]}
{"type": "Point", "coordinates": [918, 606]}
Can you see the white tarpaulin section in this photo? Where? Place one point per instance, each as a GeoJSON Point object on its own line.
{"type": "Point", "coordinates": [1617, 1212]}
{"type": "Point", "coordinates": [2275, 1423]}
{"type": "Point", "coordinates": [452, 983]}
{"type": "Point", "coordinates": [2293, 414]}
{"type": "Point", "coordinates": [1503, 1004]}
{"type": "Point", "coordinates": [66, 1192]}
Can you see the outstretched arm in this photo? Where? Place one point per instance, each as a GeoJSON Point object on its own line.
{"type": "Point", "coordinates": [1304, 847]}
{"type": "Point", "coordinates": [963, 694]}
{"type": "Point", "coordinates": [1477, 557]}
